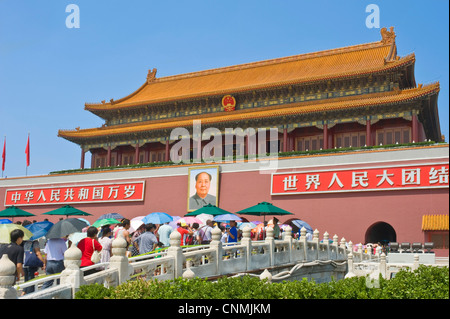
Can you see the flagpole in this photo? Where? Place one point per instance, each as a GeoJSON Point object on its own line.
{"type": "Point", "coordinates": [4, 155]}
{"type": "Point", "coordinates": [27, 151]}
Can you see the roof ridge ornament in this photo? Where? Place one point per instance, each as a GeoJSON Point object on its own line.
{"type": "Point", "coordinates": [387, 37]}
{"type": "Point", "coordinates": [151, 76]}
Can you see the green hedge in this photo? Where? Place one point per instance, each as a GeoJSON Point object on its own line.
{"type": "Point", "coordinates": [424, 283]}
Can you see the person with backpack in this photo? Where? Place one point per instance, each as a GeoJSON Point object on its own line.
{"type": "Point", "coordinates": [204, 233]}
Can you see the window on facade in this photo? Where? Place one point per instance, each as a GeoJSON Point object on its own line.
{"type": "Point", "coordinates": [127, 159]}
{"type": "Point", "coordinates": [100, 161]}
{"type": "Point", "coordinates": [273, 146]}
{"type": "Point", "coordinates": [440, 239]}
{"type": "Point", "coordinates": [400, 135]}
{"type": "Point", "coordinates": [351, 139]}
{"type": "Point", "coordinates": [310, 143]}
{"type": "Point", "coordinates": [159, 156]}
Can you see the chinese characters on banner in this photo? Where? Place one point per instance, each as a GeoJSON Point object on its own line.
{"type": "Point", "coordinates": [370, 179]}
{"type": "Point", "coordinates": [118, 192]}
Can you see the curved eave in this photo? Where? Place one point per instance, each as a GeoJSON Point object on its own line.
{"type": "Point", "coordinates": [388, 98]}
{"type": "Point", "coordinates": [99, 109]}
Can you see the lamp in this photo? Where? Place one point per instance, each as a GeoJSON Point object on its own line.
{"type": "Point", "coordinates": [417, 247]}
{"type": "Point", "coordinates": [393, 247]}
{"type": "Point", "coordinates": [405, 247]}
{"type": "Point", "coordinates": [429, 247]}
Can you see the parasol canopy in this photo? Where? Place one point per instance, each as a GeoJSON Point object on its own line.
{"type": "Point", "coordinates": [264, 209]}
{"type": "Point", "coordinates": [111, 215]}
{"type": "Point", "coordinates": [205, 217]}
{"type": "Point", "coordinates": [208, 209]}
{"type": "Point", "coordinates": [226, 218]}
{"type": "Point", "coordinates": [67, 211]}
{"type": "Point", "coordinates": [250, 225]}
{"type": "Point", "coordinates": [301, 223]}
{"type": "Point", "coordinates": [39, 229]}
{"type": "Point", "coordinates": [66, 227]}
{"type": "Point", "coordinates": [157, 218]}
{"type": "Point", "coordinates": [6, 229]}
{"type": "Point", "coordinates": [104, 222]}
{"type": "Point", "coordinates": [13, 211]}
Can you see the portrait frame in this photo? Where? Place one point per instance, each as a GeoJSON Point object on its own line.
{"type": "Point", "coordinates": [192, 197]}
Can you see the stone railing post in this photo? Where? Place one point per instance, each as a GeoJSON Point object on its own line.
{"type": "Point", "coordinates": [72, 274]}
{"type": "Point", "coordinates": [288, 239]}
{"type": "Point", "coordinates": [247, 242]}
{"type": "Point", "coordinates": [360, 252]}
{"type": "Point", "coordinates": [326, 242]}
{"type": "Point", "coordinates": [175, 251]}
{"type": "Point", "coordinates": [416, 262]}
{"type": "Point", "coordinates": [350, 268]}
{"type": "Point", "coordinates": [119, 259]}
{"type": "Point", "coordinates": [342, 245]}
{"type": "Point", "coordinates": [383, 266]}
{"type": "Point", "coordinates": [304, 243]}
{"type": "Point", "coordinates": [335, 244]}
{"type": "Point", "coordinates": [7, 278]}
{"type": "Point", "coordinates": [350, 248]}
{"type": "Point", "coordinates": [316, 242]}
{"type": "Point", "coordinates": [270, 240]}
{"type": "Point", "coordinates": [216, 244]}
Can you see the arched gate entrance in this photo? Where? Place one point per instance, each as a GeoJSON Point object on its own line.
{"type": "Point", "coordinates": [380, 232]}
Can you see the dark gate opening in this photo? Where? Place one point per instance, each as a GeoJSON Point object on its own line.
{"type": "Point", "coordinates": [380, 232]}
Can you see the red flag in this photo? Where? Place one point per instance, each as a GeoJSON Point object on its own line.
{"type": "Point", "coordinates": [4, 155]}
{"type": "Point", "coordinates": [27, 151]}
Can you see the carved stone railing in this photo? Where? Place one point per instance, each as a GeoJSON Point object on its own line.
{"type": "Point", "coordinates": [211, 260]}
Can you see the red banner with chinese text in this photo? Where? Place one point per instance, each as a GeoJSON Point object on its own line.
{"type": "Point", "coordinates": [361, 179]}
{"type": "Point", "coordinates": [76, 194]}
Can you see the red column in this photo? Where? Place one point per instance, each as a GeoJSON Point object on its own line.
{"type": "Point", "coordinates": [415, 128]}
{"type": "Point", "coordinates": [285, 140]}
{"type": "Point", "coordinates": [167, 151]}
{"type": "Point", "coordinates": [108, 156]}
{"type": "Point", "coordinates": [82, 159]}
{"type": "Point", "coordinates": [368, 133]}
{"type": "Point", "coordinates": [136, 154]}
{"type": "Point", "coordinates": [325, 136]}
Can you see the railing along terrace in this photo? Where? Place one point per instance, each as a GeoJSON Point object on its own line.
{"type": "Point", "coordinates": [210, 260]}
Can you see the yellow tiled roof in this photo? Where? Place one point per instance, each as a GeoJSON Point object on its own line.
{"type": "Point", "coordinates": [435, 222]}
{"type": "Point", "coordinates": [374, 99]}
{"type": "Point", "coordinates": [304, 68]}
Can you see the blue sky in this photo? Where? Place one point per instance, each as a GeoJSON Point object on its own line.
{"type": "Point", "coordinates": [48, 71]}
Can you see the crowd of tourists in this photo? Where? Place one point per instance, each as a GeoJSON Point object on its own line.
{"type": "Point", "coordinates": [96, 246]}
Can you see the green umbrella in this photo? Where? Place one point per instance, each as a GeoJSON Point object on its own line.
{"type": "Point", "coordinates": [14, 211]}
{"type": "Point", "coordinates": [6, 229]}
{"type": "Point", "coordinates": [263, 209]}
{"type": "Point", "coordinates": [210, 210]}
{"type": "Point", "coordinates": [105, 221]}
{"type": "Point", "coordinates": [67, 210]}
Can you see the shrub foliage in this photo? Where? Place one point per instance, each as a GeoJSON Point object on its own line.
{"type": "Point", "coordinates": [424, 283]}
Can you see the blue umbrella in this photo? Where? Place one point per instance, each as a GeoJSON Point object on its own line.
{"type": "Point", "coordinates": [39, 229]}
{"type": "Point", "coordinates": [157, 218]}
{"type": "Point", "coordinates": [5, 221]}
{"type": "Point", "coordinates": [226, 217]}
{"type": "Point", "coordinates": [251, 225]}
{"type": "Point", "coordinates": [300, 224]}
{"type": "Point", "coordinates": [111, 215]}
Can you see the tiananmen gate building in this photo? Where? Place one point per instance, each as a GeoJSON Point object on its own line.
{"type": "Point", "coordinates": [358, 146]}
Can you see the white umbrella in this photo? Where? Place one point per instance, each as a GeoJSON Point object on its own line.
{"type": "Point", "coordinates": [204, 217]}
{"type": "Point", "coordinates": [76, 237]}
{"type": "Point", "coordinates": [135, 223]}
